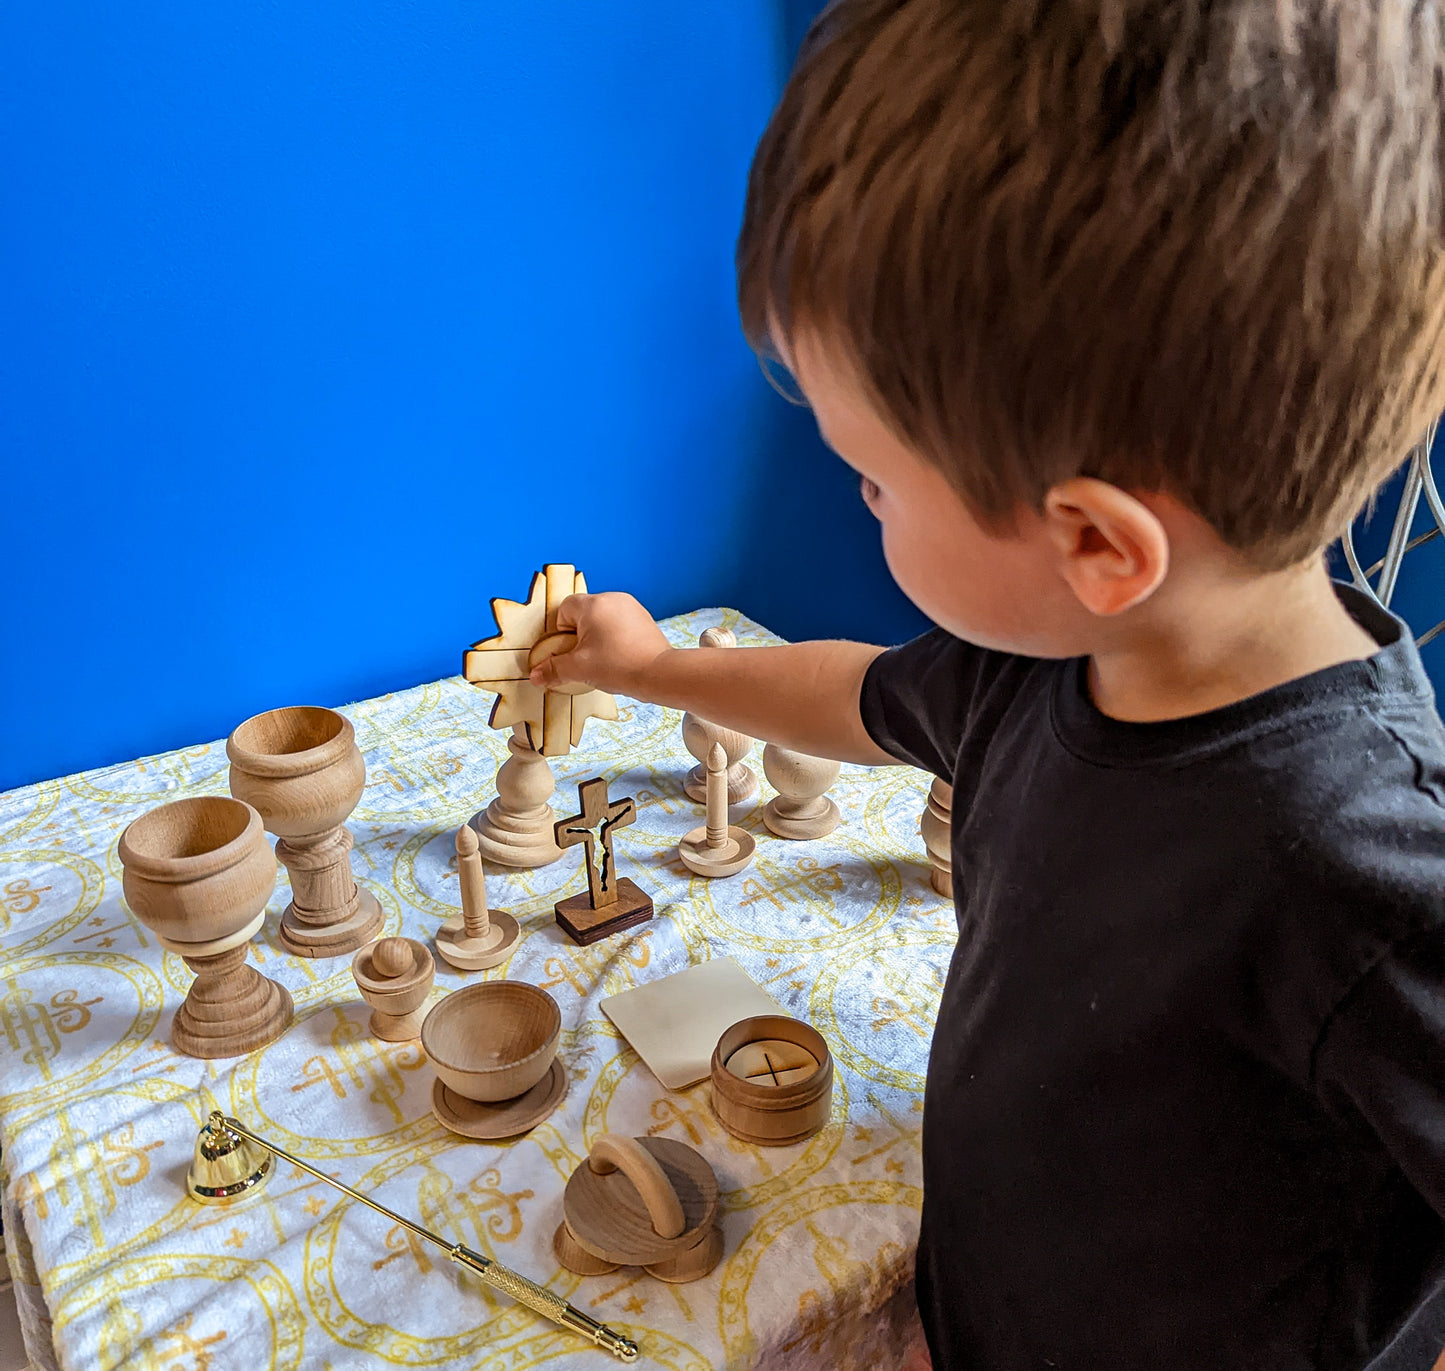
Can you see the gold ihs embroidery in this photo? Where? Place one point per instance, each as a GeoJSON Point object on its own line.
{"type": "Point", "coordinates": [364, 1064]}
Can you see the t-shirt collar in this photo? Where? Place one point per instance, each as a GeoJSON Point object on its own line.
{"type": "Point", "coordinates": [1394, 670]}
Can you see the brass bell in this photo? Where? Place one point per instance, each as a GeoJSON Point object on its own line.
{"type": "Point", "coordinates": [226, 1166]}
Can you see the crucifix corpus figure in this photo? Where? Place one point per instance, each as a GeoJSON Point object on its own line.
{"type": "Point", "coordinates": [612, 902]}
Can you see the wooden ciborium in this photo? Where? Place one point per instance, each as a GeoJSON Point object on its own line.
{"type": "Point", "coordinates": [198, 874]}
{"type": "Point", "coordinates": [302, 770]}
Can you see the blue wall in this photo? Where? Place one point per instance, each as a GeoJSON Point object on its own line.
{"type": "Point", "coordinates": [307, 309]}
{"type": "Point", "coordinates": [323, 325]}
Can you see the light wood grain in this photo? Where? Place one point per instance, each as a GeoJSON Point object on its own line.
{"type": "Point", "coordinates": [936, 829]}
{"type": "Point", "coordinates": [615, 1201]}
{"type": "Point", "coordinates": [515, 830]}
{"type": "Point", "coordinates": [800, 810]}
{"type": "Point", "coordinates": [716, 849]}
{"type": "Point", "coordinates": [481, 938]}
{"type": "Point", "coordinates": [492, 1041]}
{"type": "Point", "coordinates": [394, 977]}
{"type": "Point", "coordinates": [698, 736]}
{"type": "Point", "coordinates": [198, 873]}
{"type": "Point", "coordinates": [300, 767]}
{"type": "Point", "coordinates": [767, 1110]}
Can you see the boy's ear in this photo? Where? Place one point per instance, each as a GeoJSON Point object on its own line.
{"type": "Point", "coordinates": [1112, 549]}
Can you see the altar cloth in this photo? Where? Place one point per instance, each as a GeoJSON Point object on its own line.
{"type": "Point", "coordinates": [117, 1267]}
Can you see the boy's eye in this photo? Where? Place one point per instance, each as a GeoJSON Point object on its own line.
{"type": "Point", "coordinates": [868, 489]}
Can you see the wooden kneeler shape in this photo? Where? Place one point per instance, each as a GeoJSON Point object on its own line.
{"type": "Point", "coordinates": [648, 1202]}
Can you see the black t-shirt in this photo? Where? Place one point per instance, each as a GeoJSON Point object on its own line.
{"type": "Point", "coordinates": [1186, 1095]}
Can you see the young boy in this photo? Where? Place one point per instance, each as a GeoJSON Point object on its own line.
{"type": "Point", "coordinates": [1120, 309]}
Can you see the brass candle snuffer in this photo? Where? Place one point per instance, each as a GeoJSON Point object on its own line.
{"type": "Point", "coordinates": [231, 1162]}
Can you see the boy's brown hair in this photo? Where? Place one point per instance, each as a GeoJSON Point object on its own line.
{"type": "Point", "coordinates": [1179, 245]}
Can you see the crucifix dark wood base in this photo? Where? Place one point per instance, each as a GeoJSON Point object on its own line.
{"type": "Point", "coordinates": [612, 902]}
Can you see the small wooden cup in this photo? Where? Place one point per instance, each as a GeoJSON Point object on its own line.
{"type": "Point", "coordinates": [302, 770]}
{"type": "Point", "coordinates": [772, 1098]}
{"type": "Point", "coordinates": [394, 977]}
{"type": "Point", "coordinates": [198, 874]}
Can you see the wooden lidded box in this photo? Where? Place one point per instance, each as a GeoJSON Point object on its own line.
{"type": "Point", "coordinates": [772, 1080]}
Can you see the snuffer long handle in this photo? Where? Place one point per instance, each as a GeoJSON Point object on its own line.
{"type": "Point", "coordinates": [545, 1302]}
{"type": "Point", "coordinates": [518, 1287]}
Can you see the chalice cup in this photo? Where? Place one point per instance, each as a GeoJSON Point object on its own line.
{"type": "Point", "coordinates": [198, 874]}
{"type": "Point", "coordinates": [302, 770]}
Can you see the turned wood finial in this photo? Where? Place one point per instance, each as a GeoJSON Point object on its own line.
{"type": "Point", "coordinates": [800, 809]}
{"type": "Point", "coordinates": [472, 878]}
{"type": "Point", "coordinates": [391, 958]}
{"type": "Point", "coordinates": [717, 796]}
{"type": "Point", "coordinates": [394, 977]}
{"type": "Point", "coordinates": [699, 734]}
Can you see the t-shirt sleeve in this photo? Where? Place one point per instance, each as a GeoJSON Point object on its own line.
{"type": "Point", "coordinates": [1383, 1056]}
{"type": "Point", "coordinates": [918, 699]}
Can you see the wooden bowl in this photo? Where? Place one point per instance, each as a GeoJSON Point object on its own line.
{"type": "Point", "coordinates": [197, 871]}
{"type": "Point", "coordinates": [492, 1041]}
{"type": "Point", "coordinates": [299, 766]}
{"type": "Point", "coordinates": [773, 1108]}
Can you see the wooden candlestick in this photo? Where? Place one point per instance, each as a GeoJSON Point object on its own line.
{"type": "Point", "coordinates": [698, 736]}
{"type": "Point", "coordinates": [482, 937]}
{"type": "Point", "coordinates": [715, 849]}
{"type": "Point", "coordinates": [516, 828]}
{"type": "Point", "coordinates": [612, 902]}
{"type": "Point", "coordinates": [394, 976]}
{"type": "Point", "coordinates": [649, 1202]}
{"type": "Point", "coordinates": [198, 874]}
{"type": "Point", "coordinates": [800, 809]}
{"type": "Point", "coordinates": [302, 770]}
{"type": "Point", "coordinates": [936, 827]}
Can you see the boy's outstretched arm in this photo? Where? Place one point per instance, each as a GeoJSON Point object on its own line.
{"type": "Point", "coordinates": [803, 696]}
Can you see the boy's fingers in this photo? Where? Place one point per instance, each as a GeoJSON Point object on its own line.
{"type": "Point", "coordinates": [570, 610]}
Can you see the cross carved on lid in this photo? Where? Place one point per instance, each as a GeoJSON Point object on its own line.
{"type": "Point", "coordinates": [597, 814]}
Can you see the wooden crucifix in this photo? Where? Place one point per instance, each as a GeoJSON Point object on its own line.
{"type": "Point", "coordinates": [612, 902]}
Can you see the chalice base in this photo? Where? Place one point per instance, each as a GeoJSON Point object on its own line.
{"type": "Point", "coordinates": [813, 824]}
{"type": "Point", "coordinates": [307, 938]}
{"type": "Point", "coordinates": [232, 1009]}
{"type": "Point", "coordinates": [523, 841]}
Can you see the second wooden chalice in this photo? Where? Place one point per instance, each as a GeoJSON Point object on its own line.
{"type": "Point", "coordinates": [198, 874]}
{"type": "Point", "coordinates": [300, 767]}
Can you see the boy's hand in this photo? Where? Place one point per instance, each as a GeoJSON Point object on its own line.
{"type": "Point", "coordinates": [801, 695]}
{"type": "Point", "coordinates": [617, 645]}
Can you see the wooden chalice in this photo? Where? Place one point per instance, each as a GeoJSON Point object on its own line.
{"type": "Point", "coordinates": [302, 770]}
{"type": "Point", "coordinates": [198, 874]}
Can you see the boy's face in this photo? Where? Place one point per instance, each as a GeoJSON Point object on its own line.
{"type": "Point", "coordinates": [999, 591]}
